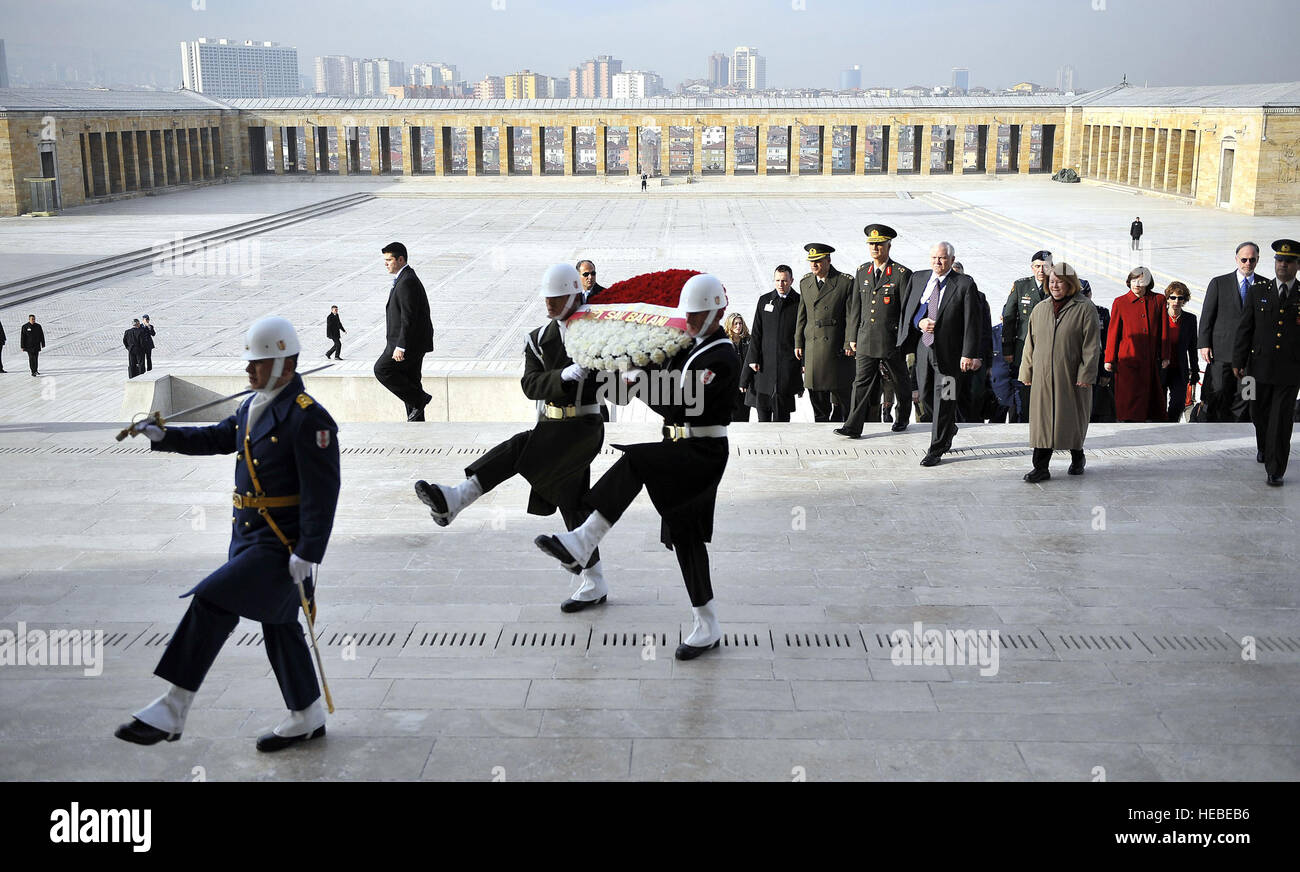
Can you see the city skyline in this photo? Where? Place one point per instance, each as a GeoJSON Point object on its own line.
{"type": "Point", "coordinates": [102, 43]}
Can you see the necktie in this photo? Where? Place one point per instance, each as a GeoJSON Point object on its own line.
{"type": "Point", "coordinates": [1245, 286]}
{"type": "Point", "coordinates": [932, 312]}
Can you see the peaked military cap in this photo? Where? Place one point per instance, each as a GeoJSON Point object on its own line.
{"type": "Point", "coordinates": [879, 232]}
{"type": "Point", "coordinates": [1287, 249]}
{"type": "Point", "coordinates": [1045, 256]}
{"type": "Point", "coordinates": [817, 250]}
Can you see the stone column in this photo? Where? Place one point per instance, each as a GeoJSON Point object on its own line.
{"type": "Point", "coordinates": [697, 149]}
{"type": "Point", "coordinates": [794, 145]}
{"type": "Point", "coordinates": [601, 166]}
{"type": "Point", "coordinates": [1023, 157]}
{"type": "Point", "coordinates": [634, 152]}
{"type": "Point", "coordinates": [570, 148]}
{"type": "Point", "coordinates": [277, 140]}
{"type": "Point", "coordinates": [991, 147]}
{"type": "Point", "coordinates": [894, 135]}
{"type": "Point", "coordinates": [408, 150]}
{"type": "Point", "coordinates": [343, 151]}
{"type": "Point", "coordinates": [827, 148]}
{"type": "Point", "coordinates": [665, 148]}
{"type": "Point", "coordinates": [505, 147]}
{"type": "Point", "coordinates": [473, 138]}
{"type": "Point", "coordinates": [760, 142]}
{"type": "Point", "coordinates": [121, 162]}
{"type": "Point", "coordinates": [539, 150]}
{"type": "Point", "coordinates": [309, 143]}
{"type": "Point", "coordinates": [925, 134]}
{"type": "Point", "coordinates": [729, 150]}
{"type": "Point", "coordinates": [376, 151]}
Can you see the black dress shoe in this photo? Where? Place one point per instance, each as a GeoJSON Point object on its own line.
{"type": "Point", "coordinates": [143, 734]}
{"type": "Point", "coordinates": [432, 497]}
{"type": "Point", "coordinates": [1274, 480]}
{"type": "Point", "coordinates": [573, 605]}
{"type": "Point", "coordinates": [415, 414]}
{"type": "Point", "coordinates": [1037, 475]}
{"type": "Point", "coordinates": [690, 652]}
{"type": "Point", "coordinates": [930, 460]}
{"type": "Point", "coordinates": [1076, 466]}
{"type": "Point", "coordinates": [847, 434]}
{"type": "Point", "coordinates": [275, 742]}
{"type": "Point", "coordinates": [554, 548]}
{"type": "Point", "coordinates": [899, 426]}
{"type": "Point", "coordinates": [886, 417]}
{"type": "Point", "coordinates": [1259, 456]}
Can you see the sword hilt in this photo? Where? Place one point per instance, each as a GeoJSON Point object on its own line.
{"type": "Point", "coordinates": [137, 425]}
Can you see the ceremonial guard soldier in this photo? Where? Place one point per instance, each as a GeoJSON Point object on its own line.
{"type": "Point", "coordinates": [1267, 350]}
{"type": "Point", "coordinates": [819, 337]}
{"type": "Point", "coordinates": [555, 456]}
{"type": "Point", "coordinates": [682, 472]}
{"type": "Point", "coordinates": [875, 310]}
{"type": "Point", "coordinates": [286, 491]}
{"type": "Point", "coordinates": [1025, 294]}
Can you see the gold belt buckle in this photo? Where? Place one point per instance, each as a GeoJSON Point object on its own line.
{"type": "Point", "coordinates": [677, 432]}
{"type": "Point", "coordinates": [238, 501]}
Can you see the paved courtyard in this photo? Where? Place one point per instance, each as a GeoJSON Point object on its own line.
{"type": "Point", "coordinates": [1121, 599]}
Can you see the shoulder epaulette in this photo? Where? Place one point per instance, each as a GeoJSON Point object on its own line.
{"type": "Point", "coordinates": [304, 401]}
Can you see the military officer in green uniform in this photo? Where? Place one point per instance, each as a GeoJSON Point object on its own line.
{"type": "Point", "coordinates": [819, 335]}
{"type": "Point", "coordinates": [1025, 294]}
{"type": "Point", "coordinates": [873, 316]}
{"type": "Point", "coordinates": [1267, 352]}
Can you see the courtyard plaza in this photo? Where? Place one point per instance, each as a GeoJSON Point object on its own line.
{"type": "Point", "coordinates": [1147, 611]}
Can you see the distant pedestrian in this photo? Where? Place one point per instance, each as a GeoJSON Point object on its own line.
{"type": "Point", "coordinates": [32, 341]}
{"type": "Point", "coordinates": [134, 353]}
{"type": "Point", "coordinates": [2, 347]}
{"type": "Point", "coordinates": [147, 333]}
{"type": "Point", "coordinates": [334, 327]}
{"type": "Point", "coordinates": [644, 181]}
{"type": "Point", "coordinates": [1135, 232]}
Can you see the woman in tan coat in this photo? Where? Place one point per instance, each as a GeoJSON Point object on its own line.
{"type": "Point", "coordinates": [1062, 350]}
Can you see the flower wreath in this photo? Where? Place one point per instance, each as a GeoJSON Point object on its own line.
{"type": "Point", "coordinates": [632, 323]}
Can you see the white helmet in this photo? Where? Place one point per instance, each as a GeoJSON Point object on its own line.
{"type": "Point", "coordinates": [561, 280]}
{"type": "Point", "coordinates": [703, 293]}
{"type": "Point", "coordinates": [272, 337]}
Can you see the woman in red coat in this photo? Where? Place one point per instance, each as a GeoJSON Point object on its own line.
{"type": "Point", "coordinates": [1137, 350]}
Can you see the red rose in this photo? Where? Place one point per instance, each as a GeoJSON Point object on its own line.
{"type": "Point", "coordinates": [661, 288]}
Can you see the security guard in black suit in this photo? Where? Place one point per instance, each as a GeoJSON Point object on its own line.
{"type": "Point", "coordinates": [555, 456]}
{"type": "Point", "coordinates": [819, 335]}
{"type": "Point", "coordinates": [874, 313]}
{"type": "Point", "coordinates": [680, 473]}
{"type": "Point", "coordinates": [1267, 351]}
{"type": "Point", "coordinates": [1025, 294]}
{"type": "Point", "coordinates": [286, 491]}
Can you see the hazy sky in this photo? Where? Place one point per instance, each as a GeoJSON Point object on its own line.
{"type": "Point", "coordinates": [807, 42]}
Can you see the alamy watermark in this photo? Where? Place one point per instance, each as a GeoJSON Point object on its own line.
{"type": "Point", "coordinates": [36, 647]}
{"type": "Point", "coordinates": [240, 257]}
{"type": "Point", "coordinates": [921, 647]}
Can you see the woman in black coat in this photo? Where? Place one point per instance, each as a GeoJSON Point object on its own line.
{"type": "Point", "coordinates": [745, 397]}
{"type": "Point", "coordinates": [1184, 368]}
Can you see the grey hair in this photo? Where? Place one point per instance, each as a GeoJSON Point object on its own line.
{"type": "Point", "coordinates": [947, 247]}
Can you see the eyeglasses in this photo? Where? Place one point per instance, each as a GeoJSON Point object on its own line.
{"type": "Point", "coordinates": [1179, 299]}
{"type": "Point", "coordinates": [588, 275]}
{"type": "Point", "coordinates": [1248, 259]}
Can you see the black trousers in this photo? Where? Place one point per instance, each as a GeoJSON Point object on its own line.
{"type": "Point", "coordinates": [2, 357]}
{"type": "Point", "coordinates": [148, 361]}
{"type": "Point", "coordinates": [1177, 402]}
{"type": "Point", "coordinates": [1273, 411]}
{"type": "Point", "coordinates": [336, 348]}
{"type": "Point", "coordinates": [31, 359]}
{"type": "Point", "coordinates": [134, 363]}
{"type": "Point", "coordinates": [502, 463]}
{"type": "Point", "coordinates": [1022, 394]}
{"type": "Point", "coordinates": [205, 628]}
{"type": "Point", "coordinates": [869, 386]}
{"type": "Point", "coordinates": [941, 391]}
{"type": "Point", "coordinates": [775, 408]}
{"type": "Point", "coordinates": [403, 379]}
{"type": "Point", "coordinates": [1225, 403]}
{"type": "Point", "coordinates": [832, 406]}
{"type": "Point", "coordinates": [612, 495]}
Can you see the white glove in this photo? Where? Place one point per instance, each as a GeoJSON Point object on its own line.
{"type": "Point", "coordinates": [153, 431]}
{"type": "Point", "coordinates": [572, 372]}
{"type": "Point", "coordinates": [299, 569]}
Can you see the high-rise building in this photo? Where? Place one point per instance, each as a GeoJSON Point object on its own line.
{"type": "Point", "coordinates": [431, 74]}
{"type": "Point", "coordinates": [719, 69]}
{"type": "Point", "coordinates": [748, 69]}
{"type": "Point", "coordinates": [635, 84]}
{"type": "Point", "coordinates": [4, 67]}
{"type": "Point", "coordinates": [557, 88]}
{"type": "Point", "coordinates": [851, 79]}
{"type": "Point", "coordinates": [960, 80]}
{"type": "Point", "coordinates": [334, 76]}
{"type": "Point", "coordinates": [229, 68]}
{"type": "Point", "coordinates": [526, 85]}
{"type": "Point", "coordinates": [594, 78]}
{"type": "Point", "coordinates": [1065, 79]}
{"type": "Point", "coordinates": [491, 88]}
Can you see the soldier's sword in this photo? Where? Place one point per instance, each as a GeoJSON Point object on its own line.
{"type": "Point", "coordinates": [157, 418]}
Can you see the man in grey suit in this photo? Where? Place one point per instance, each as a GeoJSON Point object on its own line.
{"type": "Point", "coordinates": [940, 322]}
{"type": "Point", "coordinates": [1225, 300]}
{"type": "Point", "coordinates": [409, 334]}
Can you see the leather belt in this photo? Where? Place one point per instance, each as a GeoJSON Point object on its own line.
{"type": "Point", "coordinates": [556, 412]}
{"type": "Point", "coordinates": [248, 501]}
{"type": "Point", "coordinates": [676, 432]}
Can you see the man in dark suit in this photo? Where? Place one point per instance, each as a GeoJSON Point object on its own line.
{"type": "Point", "coordinates": [1025, 294]}
{"type": "Point", "coordinates": [587, 272]}
{"type": "Point", "coordinates": [1225, 300]}
{"type": "Point", "coordinates": [940, 323]}
{"type": "Point", "coordinates": [1267, 352]}
{"type": "Point", "coordinates": [409, 333]}
{"type": "Point", "coordinates": [1135, 232]}
{"type": "Point", "coordinates": [134, 353]}
{"type": "Point", "coordinates": [778, 374]}
{"type": "Point", "coordinates": [873, 317]}
{"type": "Point", "coordinates": [147, 333]}
{"type": "Point", "coordinates": [32, 340]}
{"type": "Point", "coordinates": [819, 338]}
{"type": "Point", "coordinates": [333, 330]}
